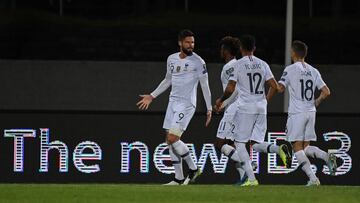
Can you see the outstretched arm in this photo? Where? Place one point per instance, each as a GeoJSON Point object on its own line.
{"type": "Point", "coordinates": [163, 86]}
{"type": "Point", "coordinates": [146, 100]}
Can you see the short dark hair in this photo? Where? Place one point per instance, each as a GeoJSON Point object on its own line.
{"type": "Point", "coordinates": [232, 44]}
{"type": "Point", "coordinates": [247, 42]}
{"type": "Point", "coordinates": [300, 48]}
{"type": "Point", "coordinates": [185, 33]}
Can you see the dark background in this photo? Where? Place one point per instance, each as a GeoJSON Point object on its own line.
{"type": "Point", "coordinates": [115, 86]}
{"type": "Point", "coordinates": [79, 71]}
{"type": "Point", "coordinates": [145, 30]}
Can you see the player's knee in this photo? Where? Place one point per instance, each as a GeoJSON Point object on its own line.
{"type": "Point", "coordinates": [219, 143]}
{"type": "Point", "coordinates": [171, 138]}
{"type": "Point", "coordinates": [252, 142]}
{"type": "Point", "coordinates": [297, 146]}
{"type": "Point", "coordinates": [306, 144]}
{"type": "Point", "coordinates": [230, 142]}
{"type": "Point", "coordinates": [176, 131]}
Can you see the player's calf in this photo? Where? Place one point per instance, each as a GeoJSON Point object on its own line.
{"type": "Point", "coordinates": [332, 164]}
{"type": "Point", "coordinates": [228, 150]}
{"type": "Point", "coordinates": [329, 158]}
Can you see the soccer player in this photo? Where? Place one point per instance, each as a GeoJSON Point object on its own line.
{"type": "Point", "coordinates": [185, 69]}
{"type": "Point", "coordinates": [249, 122]}
{"type": "Point", "coordinates": [229, 48]}
{"type": "Point", "coordinates": [301, 79]}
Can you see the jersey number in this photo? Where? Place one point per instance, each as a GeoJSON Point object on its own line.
{"type": "Point", "coordinates": [305, 88]}
{"type": "Point", "coordinates": [181, 116]}
{"type": "Point", "coordinates": [255, 79]}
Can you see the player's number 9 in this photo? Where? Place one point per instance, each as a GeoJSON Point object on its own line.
{"type": "Point", "coordinates": [181, 116]}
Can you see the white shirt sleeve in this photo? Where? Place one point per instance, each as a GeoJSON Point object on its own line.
{"type": "Point", "coordinates": [164, 84]}
{"type": "Point", "coordinates": [319, 81]}
{"type": "Point", "coordinates": [268, 73]}
{"type": "Point", "coordinates": [231, 99]}
{"type": "Point", "coordinates": [204, 83]}
{"type": "Point", "coordinates": [234, 75]}
{"type": "Point", "coordinates": [284, 80]}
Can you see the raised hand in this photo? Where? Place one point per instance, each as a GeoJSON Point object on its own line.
{"type": "Point", "coordinates": [144, 103]}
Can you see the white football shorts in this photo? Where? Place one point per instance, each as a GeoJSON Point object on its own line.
{"type": "Point", "coordinates": [301, 127]}
{"type": "Point", "coordinates": [226, 126]}
{"type": "Point", "coordinates": [249, 127]}
{"type": "Point", "coordinates": [178, 116]}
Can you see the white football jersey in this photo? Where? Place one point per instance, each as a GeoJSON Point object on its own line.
{"type": "Point", "coordinates": [185, 74]}
{"type": "Point", "coordinates": [301, 79]}
{"type": "Point", "coordinates": [251, 73]}
{"type": "Point", "coordinates": [227, 71]}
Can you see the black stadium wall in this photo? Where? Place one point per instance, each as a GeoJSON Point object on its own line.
{"type": "Point", "coordinates": [115, 86]}
{"type": "Point", "coordinates": [74, 121]}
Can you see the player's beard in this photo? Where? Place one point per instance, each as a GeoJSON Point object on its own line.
{"type": "Point", "coordinates": [187, 52]}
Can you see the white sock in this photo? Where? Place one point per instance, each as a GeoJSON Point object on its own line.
{"type": "Point", "coordinates": [239, 169]}
{"type": "Point", "coordinates": [177, 163]}
{"type": "Point", "coordinates": [266, 147]}
{"type": "Point", "coordinates": [181, 149]}
{"type": "Point", "coordinates": [305, 164]}
{"type": "Point", "coordinates": [315, 152]}
{"type": "Point", "coordinates": [245, 160]}
{"type": "Point", "coordinates": [230, 152]}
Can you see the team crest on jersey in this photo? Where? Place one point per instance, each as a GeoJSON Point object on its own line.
{"type": "Point", "coordinates": [186, 66]}
{"type": "Point", "coordinates": [178, 69]}
{"type": "Point", "coordinates": [229, 71]}
{"type": "Point", "coordinates": [172, 67]}
{"type": "Point", "coordinates": [284, 74]}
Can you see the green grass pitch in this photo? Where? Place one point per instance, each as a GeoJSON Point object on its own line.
{"type": "Point", "coordinates": [168, 194]}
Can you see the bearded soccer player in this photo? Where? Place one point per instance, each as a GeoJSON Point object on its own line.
{"type": "Point", "coordinates": [185, 69]}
